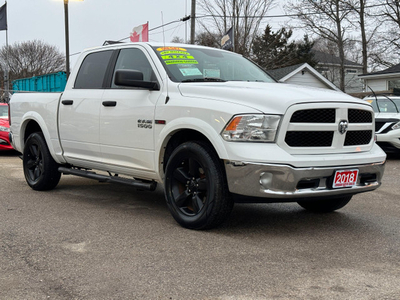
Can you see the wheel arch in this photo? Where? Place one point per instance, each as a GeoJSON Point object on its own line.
{"type": "Point", "coordinates": [32, 123]}
{"type": "Point", "coordinates": [182, 135]}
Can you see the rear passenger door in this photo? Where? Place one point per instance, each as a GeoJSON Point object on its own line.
{"type": "Point", "coordinates": [79, 112]}
{"type": "Point", "coordinates": [127, 117]}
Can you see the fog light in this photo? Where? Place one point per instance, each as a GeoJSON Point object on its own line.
{"type": "Point", "coordinates": [266, 180]}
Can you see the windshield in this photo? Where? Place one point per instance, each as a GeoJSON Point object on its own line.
{"type": "Point", "coordinates": [385, 105]}
{"type": "Point", "coordinates": [3, 111]}
{"type": "Point", "coordinates": [205, 64]}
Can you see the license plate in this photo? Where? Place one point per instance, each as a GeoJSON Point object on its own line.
{"type": "Point", "coordinates": [345, 178]}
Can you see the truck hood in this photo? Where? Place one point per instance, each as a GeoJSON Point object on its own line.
{"type": "Point", "coordinates": [385, 115]}
{"type": "Point", "coordinates": [272, 98]}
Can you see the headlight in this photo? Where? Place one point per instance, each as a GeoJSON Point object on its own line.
{"type": "Point", "coordinates": [251, 128]}
{"type": "Point", "coordinates": [3, 128]}
{"type": "Point", "coordinates": [396, 126]}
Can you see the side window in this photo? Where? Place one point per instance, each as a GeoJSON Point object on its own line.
{"type": "Point", "coordinates": [92, 71]}
{"type": "Point", "coordinates": [134, 59]}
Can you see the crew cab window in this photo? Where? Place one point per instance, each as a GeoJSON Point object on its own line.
{"type": "Point", "coordinates": [92, 71]}
{"type": "Point", "coordinates": [134, 59]}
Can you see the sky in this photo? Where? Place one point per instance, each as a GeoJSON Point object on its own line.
{"type": "Point", "coordinates": [91, 22]}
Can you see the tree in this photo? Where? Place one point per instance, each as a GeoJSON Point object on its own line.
{"type": "Point", "coordinates": [31, 58]}
{"type": "Point", "coordinates": [326, 19]}
{"type": "Point", "coordinates": [178, 40]}
{"type": "Point", "coordinates": [367, 24]}
{"type": "Point", "coordinates": [391, 36]}
{"type": "Point", "coordinates": [208, 39]}
{"type": "Point", "coordinates": [245, 16]}
{"type": "Point", "coordinates": [275, 50]}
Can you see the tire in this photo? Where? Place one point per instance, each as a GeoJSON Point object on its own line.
{"type": "Point", "coordinates": [195, 187]}
{"type": "Point", "coordinates": [325, 206]}
{"type": "Point", "coordinates": [40, 169]}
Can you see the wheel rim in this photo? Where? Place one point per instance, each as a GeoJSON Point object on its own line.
{"type": "Point", "coordinates": [34, 163]}
{"type": "Point", "coordinates": [189, 185]}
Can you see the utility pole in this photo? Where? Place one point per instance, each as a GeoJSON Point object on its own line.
{"type": "Point", "coordinates": [193, 21]}
{"type": "Point", "coordinates": [66, 37]}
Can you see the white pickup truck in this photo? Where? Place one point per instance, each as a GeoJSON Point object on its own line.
{"type": "Point", "coordinates": [208, 124]}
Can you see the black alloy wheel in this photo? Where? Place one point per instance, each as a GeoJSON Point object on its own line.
{"type": "Point", "coordinates": [195, 187]}
{"type": "Point", "coordinates": [40, 169]}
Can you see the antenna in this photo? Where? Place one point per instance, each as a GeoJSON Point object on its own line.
{"type": "Point", "coordinates": [376, 98]}
{"type": "Point", "coordinates": [166, 73]}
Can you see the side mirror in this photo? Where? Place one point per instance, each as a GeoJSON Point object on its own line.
{"type": "Point", "coordinates": [133, 78]}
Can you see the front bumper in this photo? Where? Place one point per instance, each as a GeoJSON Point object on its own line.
{"type": "Point", "coordinates": [287, 183]}
{"type": "Point", "coordinates": [389, 141]}
{"type": "Point", "coordinates": [4, 141]}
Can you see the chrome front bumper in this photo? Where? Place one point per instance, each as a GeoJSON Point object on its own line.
{"type": "Point", "coordinates": [288, 183]}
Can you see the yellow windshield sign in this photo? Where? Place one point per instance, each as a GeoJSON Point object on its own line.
{"type": "Point", "coordinates": [173, 52]}
{"type": "Point", "coordinates": [176, 56]}
{"type": "Point", "coordinates": [182, 62]}
{"type": "Point", "coordinates": [171, 48]}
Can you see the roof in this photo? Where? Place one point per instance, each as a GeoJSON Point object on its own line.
{"type": "Point", "coordinates": [392, 70]}
{"type": "Point", "coordinates": [283, 74]}
{"type": "Point", "coordinates": [326, 58]}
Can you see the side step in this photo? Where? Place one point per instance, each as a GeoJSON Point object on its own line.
{"type": "Point", "coordinates": [143, 185]}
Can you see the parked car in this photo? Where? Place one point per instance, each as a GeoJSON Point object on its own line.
{"type": "Point", "coordinates": [4, 128]}
{"type": "Point", "coordinates": [387, 121]}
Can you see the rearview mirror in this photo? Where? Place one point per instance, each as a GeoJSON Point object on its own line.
{"type": "Point", "coordinates": [134, 78]}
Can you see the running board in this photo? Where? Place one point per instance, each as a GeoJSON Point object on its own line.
{"type": "Point", "coordinates": [149, 186]}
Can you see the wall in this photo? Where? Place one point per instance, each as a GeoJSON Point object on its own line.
{"type": "Point", "coordinates": [307, 79]}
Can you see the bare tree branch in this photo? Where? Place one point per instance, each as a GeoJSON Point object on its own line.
{"type": "Point", "coordinates": [32, 58]}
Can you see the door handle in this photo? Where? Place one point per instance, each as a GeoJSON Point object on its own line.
{"type": "Point", "coordinates": [67, 102]}
{"type": "Point", "coordinates": [109, 103]}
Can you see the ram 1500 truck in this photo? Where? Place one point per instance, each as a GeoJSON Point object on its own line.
{"type": "Point", "coordinates": [208, 124]}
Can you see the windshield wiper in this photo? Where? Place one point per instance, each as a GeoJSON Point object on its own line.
{"type": "Point", "coordinates": [206, 79]}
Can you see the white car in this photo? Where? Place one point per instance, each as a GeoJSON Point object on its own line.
{"type": "Point", "coordinates": [387, 121]}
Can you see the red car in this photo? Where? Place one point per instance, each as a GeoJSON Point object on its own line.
{"type": "Point", "coordinates": [4, 128]}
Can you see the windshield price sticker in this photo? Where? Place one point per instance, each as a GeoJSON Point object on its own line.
{"type": "Point", "coordinates": [345, 178]}
{"type": "Point", "coordinates": [176, 56]}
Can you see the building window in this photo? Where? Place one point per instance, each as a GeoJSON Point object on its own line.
{"type": "Point", "coordinates": [394, 84]}
{"type": "Point", "coordinates": [351, 71]}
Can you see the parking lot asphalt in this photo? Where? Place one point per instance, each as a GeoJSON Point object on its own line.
{"type": "Point", "coordinates": [90, 240]}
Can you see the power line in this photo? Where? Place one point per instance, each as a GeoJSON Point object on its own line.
{"type": "Point", "coordinates": [281, 16]}
{"type": "Point", "coordinates": [186, 18]}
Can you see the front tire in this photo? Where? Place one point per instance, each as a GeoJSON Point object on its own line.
{"type": "Point", "coordinates": [325, 206]}
{"type": "Point", "coordinates": [40, 169]}
{"type": "Point", "coordinates": [195, 187]}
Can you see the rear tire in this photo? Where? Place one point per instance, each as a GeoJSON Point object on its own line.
{"type": "Point", "coordinates": [195, 187]}
{"type": "Point", "coordinates": [325, 206]}
{"type": "Point", "coordinates": [40, 169]}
